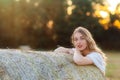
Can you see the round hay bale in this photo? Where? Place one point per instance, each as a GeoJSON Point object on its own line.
{"type": "Point", "coordinates": [43, 65]}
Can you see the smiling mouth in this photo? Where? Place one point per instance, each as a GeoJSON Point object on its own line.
{"type": "Point", "coordinates": [79, 46]}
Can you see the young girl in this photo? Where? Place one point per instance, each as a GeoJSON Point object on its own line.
{"type": "Point", "coordinates": [86, 51]}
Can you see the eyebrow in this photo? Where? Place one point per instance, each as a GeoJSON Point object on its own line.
{"type": "Point", "coordinates": [80, 37]}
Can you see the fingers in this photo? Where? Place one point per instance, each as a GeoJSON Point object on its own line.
{"type": "Point", "coordinates": [77, 50]}
{"type": "Point", "coordinates": [59, 49]}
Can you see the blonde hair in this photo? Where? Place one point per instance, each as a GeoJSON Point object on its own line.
{"type": "Point", "coordinates": [92, 46]}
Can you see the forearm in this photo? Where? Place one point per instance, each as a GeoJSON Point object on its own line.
{"type": "Point", "coordinates": [78, 58]}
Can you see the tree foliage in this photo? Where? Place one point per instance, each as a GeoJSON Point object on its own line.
{"type": "Point", "coordinates": [46, 23]}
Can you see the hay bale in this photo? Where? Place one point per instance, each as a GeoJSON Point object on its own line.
{"type": "Point", "coordinates": [39, 65]}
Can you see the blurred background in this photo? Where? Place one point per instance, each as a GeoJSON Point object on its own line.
{"type": "Point", "coordinates": [45, 24]}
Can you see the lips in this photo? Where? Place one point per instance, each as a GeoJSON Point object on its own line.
{"type": "Point", "coordinates": [79, 46]}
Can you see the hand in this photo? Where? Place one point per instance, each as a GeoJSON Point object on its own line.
{"type": "Point", "coordinates": [77, 51]}
{"type": "Point", "coordinates": [60, 49]}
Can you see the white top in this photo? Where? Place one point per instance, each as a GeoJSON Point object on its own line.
{"type": "Point", "coordinates": [97, 60]}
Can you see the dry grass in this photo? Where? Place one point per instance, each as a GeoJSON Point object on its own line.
{"type": "Point", "coordinates": [113, 65]}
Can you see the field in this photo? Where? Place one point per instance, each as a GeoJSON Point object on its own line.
{"type": "Point", "coordinates": [113, 65]}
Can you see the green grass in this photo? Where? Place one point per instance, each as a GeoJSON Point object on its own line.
{"type": "Point", "coordinates": [113, 65]}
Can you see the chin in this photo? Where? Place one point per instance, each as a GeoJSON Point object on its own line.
{"type": "Point", "coordinates": [82, 49]}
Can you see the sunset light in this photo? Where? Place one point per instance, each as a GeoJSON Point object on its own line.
{"type": "Point", "coordinates": [27, 1]}
{"type": "Point", "coordinates": [70, 7]}
{"type": "Point", "coordinates": [117, 24]}
{"type": "Point", "coordinates": [107, 12]}
{"type": "Point", "coordinates": [36, 4]}
{"type": "Point", "coordinates": [112, 4]}
{"type": "Point", "coordinates": [50, 24]}
{"type": "Point", "coordinates": [104, 14]}
{"type": "Point", "coordinates": [17, 0]}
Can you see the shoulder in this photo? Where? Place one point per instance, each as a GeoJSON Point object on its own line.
{"type": "Point", "coordinates": [98, 60]}
{"type": "Point", "coordinates": [94, 54]}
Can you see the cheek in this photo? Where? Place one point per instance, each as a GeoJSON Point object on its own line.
{"type": "Point", "coordinates": [85, 44]}
{"type": "Point", "coordinates": [74, 43]}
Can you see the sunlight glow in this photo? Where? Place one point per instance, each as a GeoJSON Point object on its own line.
{"type": "Point", "coordinates": [112, 5]}
{"type": "Point", "coordinates": [105, 23]}
{"type": "Point", "coordinates": [69, 2]}
{"type": "Point", "coordinates": [88, 13]}
{"type": "Point", "coordinates": [36, 4]}
{"type": "Point", "coordinates": [70, 7]}
{"type": "Point", "coordinates": [17, 0]}
{"type": "Point", "coordinates": [27, 1]}
{"type": "Point", "coordinates": [50, 24]}
{"type": "Point", "coordinates": [104, 14]}
{"type": "Point", "coordinates": [117, 24]}
{"type": "Point", "coordinates": [118, 11]}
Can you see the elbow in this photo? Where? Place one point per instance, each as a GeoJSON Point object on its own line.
{"type": "Point", "coordinates": [76, 62]}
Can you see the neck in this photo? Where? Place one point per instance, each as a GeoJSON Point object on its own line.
{"type": "Point", "coordinates": [85, 52]}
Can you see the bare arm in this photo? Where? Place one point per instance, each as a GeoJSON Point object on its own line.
{"type": "Point", "coordinates": [64, 50]}
{"type": "Point", "coordinates": [79, 59]}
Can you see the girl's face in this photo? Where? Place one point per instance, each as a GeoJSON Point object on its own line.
{"type": "Point", "coordinates": [79, 41]}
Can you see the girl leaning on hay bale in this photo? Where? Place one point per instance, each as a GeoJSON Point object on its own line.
{"type": "Point", "coordinates": [85, 51]}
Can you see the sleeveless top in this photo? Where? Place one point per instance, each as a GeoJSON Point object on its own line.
{"type": "Point", "coordinates": [97, 59]}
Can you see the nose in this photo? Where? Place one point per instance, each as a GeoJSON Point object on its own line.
{"type": "Point", "coordinates": [79, 42]}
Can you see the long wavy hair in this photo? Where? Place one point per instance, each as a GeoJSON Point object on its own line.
{"type": "Point", "coordinates": [92, 46]}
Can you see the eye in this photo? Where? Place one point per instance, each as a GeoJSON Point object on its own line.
{"type": "Point", "coordinates": [82, 38]}
{"type": "Point", "coordinates": [75, 39]}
